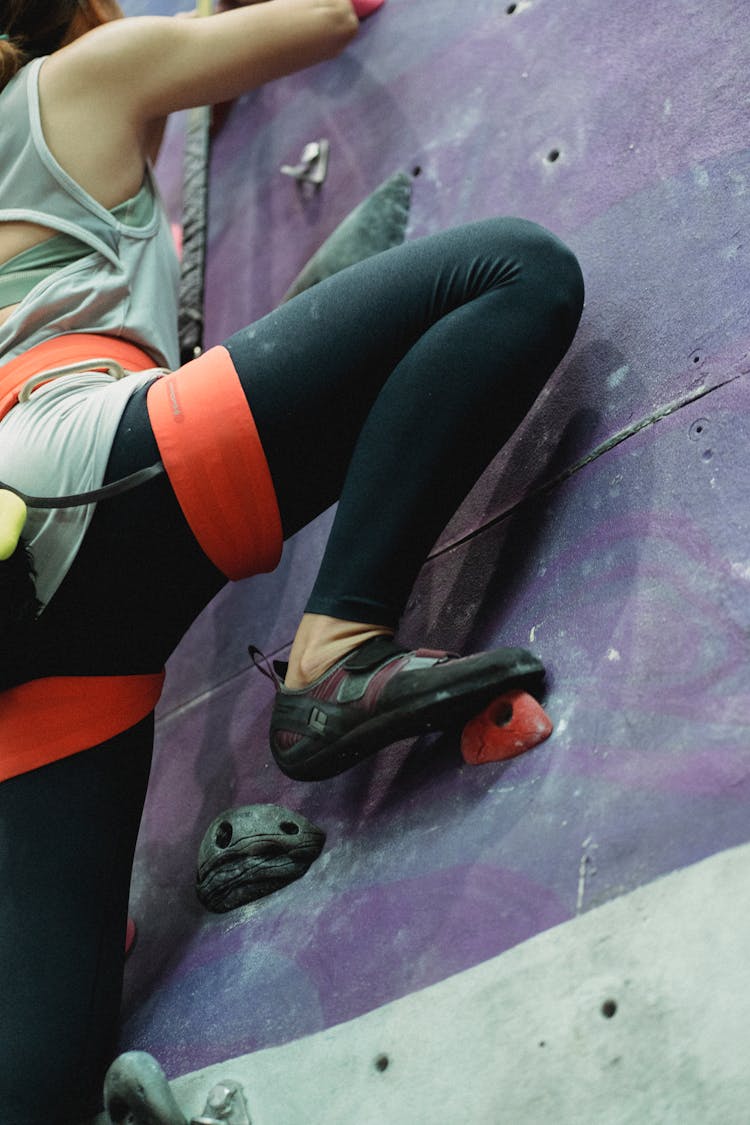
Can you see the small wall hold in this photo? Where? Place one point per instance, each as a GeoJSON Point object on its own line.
{"type": "Point", "coordinates": [313, 164]}
{"type": "Point", "coordinates": [609, 1007]}
{"type": "Point", "coordinates": [136, 1092]}
{"type": "Point", "coordinates": [225, 1106]}
{"type": "Point", "coordinates": [512, 724]}
{"type": "Point", "coordinates": [252, 851]}
{"type": "Point", "coordinates": [131, 936]}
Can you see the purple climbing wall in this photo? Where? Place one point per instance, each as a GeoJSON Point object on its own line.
{"type": "Point", "coordinates": [610, 536]}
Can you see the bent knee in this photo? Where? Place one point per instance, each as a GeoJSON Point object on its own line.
{"type": "Point", "coordinates": [568, 276]}
{"type": "Point", "coordinates": [548, 267]}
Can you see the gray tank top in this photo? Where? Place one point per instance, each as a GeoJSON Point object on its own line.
{"type": "Point", "coordinates": [60, 440]}
{"type": "Point", "coordinates": [126, 286]}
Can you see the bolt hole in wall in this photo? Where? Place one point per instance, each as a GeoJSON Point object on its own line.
{"type": "Point", "coordinates": [382, 1063]}
{"type": "Point", "coordinates": [609, 1007]}
{"type": "Point", "coordinates": [517, 7]}
{"type": "Point", "coordinates": [553, 155]}
{"type": "Point", "coordinates": [289, 828]}
{"type": "Point", "coordinates": [416, 170]}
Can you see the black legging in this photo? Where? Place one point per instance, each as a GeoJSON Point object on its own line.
{"type": "Point", "coordinates": [390, 386]}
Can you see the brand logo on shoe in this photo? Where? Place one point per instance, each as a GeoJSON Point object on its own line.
{"type": "Point", "coordinates": [318, 720]}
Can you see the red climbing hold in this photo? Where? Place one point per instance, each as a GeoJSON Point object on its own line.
{"type": "Point", "coordinates": [512, 724]}
{"type": "Point", "coordinates": [365, 8]}
{"type": "Point", "coordinates": [177, 238]}
{"type": "Point", "coordinates": [130, 936]}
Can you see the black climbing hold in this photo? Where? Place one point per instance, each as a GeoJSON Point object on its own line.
{"type": "Point", "coordinates": [252, 851]}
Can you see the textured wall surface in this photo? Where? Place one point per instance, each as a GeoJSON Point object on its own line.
{"type": "Point", "coordinates": [618, 1017]}
{"type": "Point", "coordinates": [611, 535]}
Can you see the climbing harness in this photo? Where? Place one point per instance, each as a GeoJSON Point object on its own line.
{"type": "Point", "coordinates": [61, 357]}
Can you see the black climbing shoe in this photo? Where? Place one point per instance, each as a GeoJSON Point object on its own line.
{"type": "Point", "coordinates": [381, 693]}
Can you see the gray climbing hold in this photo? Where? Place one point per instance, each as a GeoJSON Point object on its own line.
{"type": "Point", "coordinates": [252, 851]}
{"type": "Point", "coordinates": [136, 1092]}
{"type": "Point", "coordinates": [378, 223]}
{"type": "Point", "coordinates": [226, 1105]}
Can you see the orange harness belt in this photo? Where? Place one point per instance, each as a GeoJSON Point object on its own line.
{"type": "Point", "coordinates": [217, 468]}
{"type": "Point", "coordinates": [60, 351]}
{"type": "Point", "coordinates": [48, 719]}
{"type": "Point", "coordinates": [216, 464]}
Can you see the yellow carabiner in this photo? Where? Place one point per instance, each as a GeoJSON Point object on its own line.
{"type": "Point", "coordinates": [12, 521]}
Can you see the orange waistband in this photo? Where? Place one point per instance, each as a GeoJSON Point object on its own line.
{"type": "Point", "coordinates": [44, 720]}
{"type": "Point", "coordinates": [215, 462]}
{"type": "Point", "coordinates": [60, 350]}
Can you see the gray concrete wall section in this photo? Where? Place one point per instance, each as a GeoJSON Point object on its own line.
{"type": "Point", "coordinates": [636, 1013]}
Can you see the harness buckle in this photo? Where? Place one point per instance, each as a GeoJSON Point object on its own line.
{"type": "Point", "coordinates": [110, 366]}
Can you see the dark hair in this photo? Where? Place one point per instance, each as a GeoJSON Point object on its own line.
{"type": "Point", "coordinates": [34, 28]}
{"type": "Point", "coordinates": [19, 607]}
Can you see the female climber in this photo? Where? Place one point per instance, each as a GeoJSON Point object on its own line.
{"type": "Point", "coordinates": [388, 387]}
